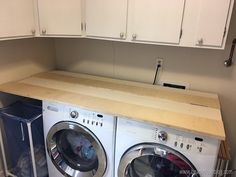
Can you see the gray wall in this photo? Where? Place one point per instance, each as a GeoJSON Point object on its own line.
{"type": "Point", "coordinates": [202, 69]}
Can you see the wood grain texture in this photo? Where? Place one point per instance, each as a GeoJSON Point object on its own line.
{"type": "Point", "coordinates": [184, 110]}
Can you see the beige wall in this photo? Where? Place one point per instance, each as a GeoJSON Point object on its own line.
{"type": "Point", "coordinates": [203, 69]}
{"type": "Point", "coordinates": [22, 58]}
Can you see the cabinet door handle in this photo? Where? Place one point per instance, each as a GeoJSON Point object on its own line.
{"type": "Point", "coordinates": [122, 35]}
{"type": "Point", "coordinates": [200, 41]}
{"type": "Point", "coordinates": [44, 31]}
{"type": "Point", "coordinates": [134, 36]}
{"type": "Point", "coordinates": [33, 31]}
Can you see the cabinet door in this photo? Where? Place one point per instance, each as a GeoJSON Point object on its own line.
{"type": "Point", "coordinates": [60, 17]}
{"type": "Point", "coordinates": [106, 18]}
{"type": "Point", "coordinates": [16, 18]}
{"type": "Point", "coordinates": [157, 20]}
{"type": "Point", "coordinates": [212, 20]}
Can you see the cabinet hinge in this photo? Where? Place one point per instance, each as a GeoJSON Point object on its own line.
{"type": "Point", "coordinates": [225, 32]}
{"type": "Point", "coordinates": [181, 33]}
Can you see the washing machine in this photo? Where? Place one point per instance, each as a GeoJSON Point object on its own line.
{"type": "Point", "coordinates": [148, 150]}
{"type": "Point", "coordinates": [79, 143]}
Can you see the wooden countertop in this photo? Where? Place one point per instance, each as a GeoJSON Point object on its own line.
{"type": "Point", "coordinates": [190, 111]}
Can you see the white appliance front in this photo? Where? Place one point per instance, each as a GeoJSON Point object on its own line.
{"type": "Point", "coordinates": [79, 143]}
{"type": "Point", "coordinates": [149, 150]}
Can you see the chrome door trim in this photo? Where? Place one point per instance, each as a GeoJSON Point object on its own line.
{"type": "Point", "coordinates": [145, 149]}
{"type": "Point", "coordinates": [58, 161]}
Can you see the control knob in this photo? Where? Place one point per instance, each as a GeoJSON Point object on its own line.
{"type": "Point", "coordinates": [162, 135]}
{"type": "Point", "coordinates": [74, 114]}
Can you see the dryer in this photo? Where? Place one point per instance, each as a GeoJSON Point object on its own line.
{"type": "Point", "coordinates": [79, 143]}
{"type": "Point", "coordinates": [149, 150]}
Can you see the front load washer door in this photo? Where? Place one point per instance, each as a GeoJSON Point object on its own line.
{"type": "Point", "coordinates": [154, 160]}
{"type": "Point", "coordinates": [75, 150]}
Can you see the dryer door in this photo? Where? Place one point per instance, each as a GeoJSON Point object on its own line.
{"type": "Point", "coordinates": [155, 160]}
{"type": "Point", "coordinates": [75, 150]}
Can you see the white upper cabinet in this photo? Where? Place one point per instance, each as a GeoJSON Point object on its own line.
{"type": "Point", "coordinates": [156, 20]}
{"type": "Point", "coordinates": [106, 18]}
{"type": "Point", "coordinates": [60, 17]}
{"type": "Point", "coordinates": [211, 22]}
{"type": "Point", "coordinates": [16, 18]}
{"type": "Point", "coordinates": [186, 23]}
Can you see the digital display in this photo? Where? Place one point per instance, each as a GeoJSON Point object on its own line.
{"type": "Point", "coordinates": [198, 139]}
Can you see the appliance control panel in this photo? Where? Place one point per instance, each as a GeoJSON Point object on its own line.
{"type": "Point", "coordinates": [179, 140]}
{"type": "Point", "coordinates": [183, 141]}
{"type": "Point", "coordinates": [86, 117]}
{"type": "Point", "coordinates": [196, 144]}
{"type": "Point", "coordinates": [93, 119]}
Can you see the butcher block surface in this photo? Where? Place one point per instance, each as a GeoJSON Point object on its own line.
{"type": "Point", "coordinates": [190, 111]}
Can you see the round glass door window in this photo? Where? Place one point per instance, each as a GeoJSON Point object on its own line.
{"type": "Point", "coordinates": [155, 166]}
{"type": "Point", "coordinates": [75, 151]}
{"type": "Point", "coordinates": [155, 161]}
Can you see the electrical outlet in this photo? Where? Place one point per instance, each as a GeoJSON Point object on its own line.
{"type": "Point", "coordinates": [160, 61]}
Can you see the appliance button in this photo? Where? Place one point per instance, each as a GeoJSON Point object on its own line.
{"type": "Point", "coordinates": [176, 143]}
{"type": "Point", "coordinates": [74, 114]}
{"type": "Point", "coordinates": [200, 149]}
{"type": "Point", "coordinates": [87, 121]}
{"type": "Point", "coordinates": [181, 145]}
{"type": "Point", "coordinates": [83, 120]}
{"type": "Point", "coordinates": [162, 135]}
{"type": "Point", "coordinates": [101, 124]}
{"type": "Point", "coordinates": [96, 123]}
{"type": "Point", "coordinates": [92, 122]}
{"type": "Point", "coordinates": [187, 146]}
